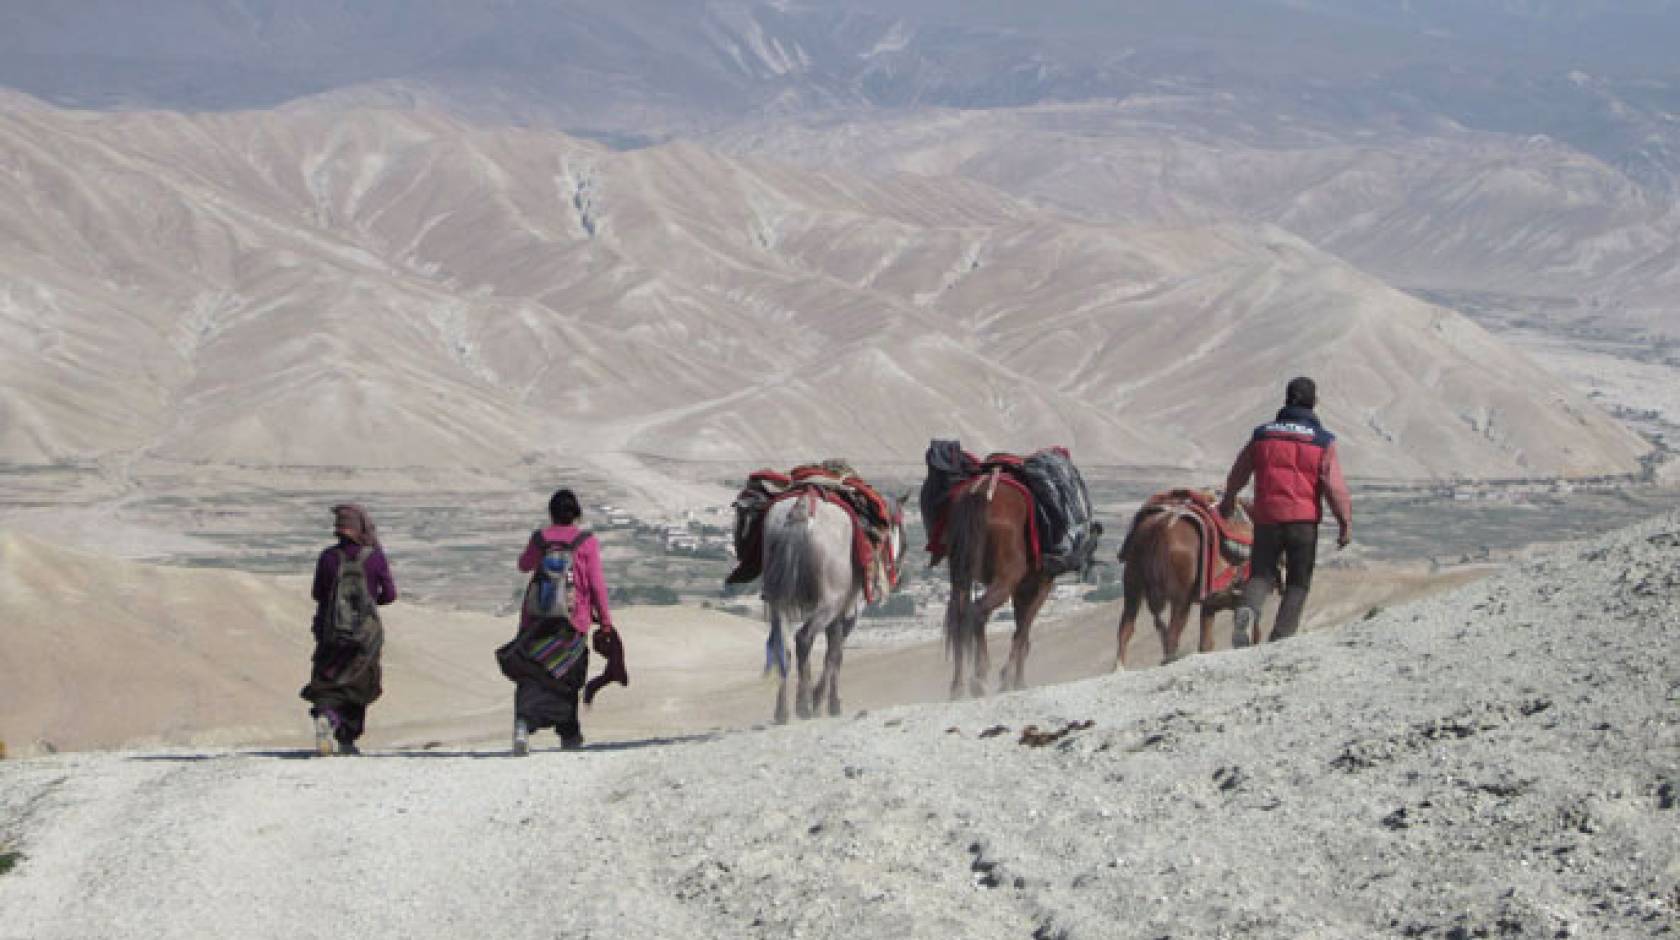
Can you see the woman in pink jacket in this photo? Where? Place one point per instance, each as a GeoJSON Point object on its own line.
{"type": "Point", "coordinates": [548, 697]}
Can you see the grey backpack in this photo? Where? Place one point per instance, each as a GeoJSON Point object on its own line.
{"type": "Point", "coordinates": [553, 589]}
{"type": "Point", "coordinates": [352, 613]}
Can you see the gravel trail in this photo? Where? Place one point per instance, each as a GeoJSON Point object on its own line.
{"type": "Point", "coordinates": [1502, 760]}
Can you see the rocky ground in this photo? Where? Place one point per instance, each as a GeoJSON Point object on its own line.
{"type": "Point", "coordinates": [1503, 760]}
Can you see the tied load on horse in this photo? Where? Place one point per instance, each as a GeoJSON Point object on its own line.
{"type": "Point", "coordinates": [1010, 525]}
{"type": "Point", "coordinates": [826, 544]}
{"type": "Point", "coordinates": [1180, 551]}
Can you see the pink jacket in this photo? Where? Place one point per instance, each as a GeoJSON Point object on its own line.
{"type": "Point", "coordinates": [591, 602]}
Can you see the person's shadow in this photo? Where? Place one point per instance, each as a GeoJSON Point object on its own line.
{"type": "Point", "coordinates": [410, 753]}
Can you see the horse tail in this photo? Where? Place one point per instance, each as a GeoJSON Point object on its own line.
{"type": "Point", "coordinates": [792, 581]}
{"type": "Point", "coordinates": [965, 534]}
{"type": "Point", "coordinates": [1151, 551]}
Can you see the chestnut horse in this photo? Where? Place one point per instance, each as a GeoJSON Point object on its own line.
{"type": "Point", "coordinates": [1162, 557]}
{"type": "Point", "coordinates": [986, 531]}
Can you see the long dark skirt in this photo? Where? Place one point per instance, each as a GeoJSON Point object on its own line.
{"type": "Point", "coordinates": [545, 701]}
{"type": "Point", "coordinates": [343, 682]}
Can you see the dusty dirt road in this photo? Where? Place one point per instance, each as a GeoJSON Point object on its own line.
{"type": "Point", "coordinates": [1499, 760]}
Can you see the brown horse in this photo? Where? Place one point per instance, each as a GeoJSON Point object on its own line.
{"type": "Point", "coordinates": [1162, 557]}
{"type": "Point", "coordinates": [987, 531]}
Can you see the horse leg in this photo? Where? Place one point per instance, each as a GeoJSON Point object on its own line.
{"type": "Point", "coordinates": [821, 690]}
{"type": "Point", "coordinates": [956, 620]}
{"type": "Point", "coordinates": [802, 646]}
{"type": "Point", "coordinates": [1206, 644]}
{"type": "Point", "coordinates": [1161, 631]}
{"type": "Point", "coordinates": [778, 653]}
{"type": "Point", "coordinates": [1175, 630]}
{"type": "Point", "coordinates": [828, 684]}
{"type": "Point", "coordinates": [1029, 598]}
{"type": "Point", "coordinates": [982, 615]}
{"type": "Point", "coordinates": [1128, 623]}
{"type": "Point", "coordinates": [835, 656]}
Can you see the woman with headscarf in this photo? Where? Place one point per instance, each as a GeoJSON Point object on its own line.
{"type": "Point", "coordinates": [547, 696]}
{"type": "Point", "coordinates": [352, 580]}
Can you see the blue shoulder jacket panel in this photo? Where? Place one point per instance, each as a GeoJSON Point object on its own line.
{"type": "Point", "coordinates": [1296, 424]}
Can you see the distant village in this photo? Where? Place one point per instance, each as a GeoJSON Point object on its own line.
{"type": "Point", "coordinates": [708, 533]}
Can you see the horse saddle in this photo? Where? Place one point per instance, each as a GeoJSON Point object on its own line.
{"type": "Point", "coordinates": [1235, 534]}
{"type": "Point", "coordinates": [832, 477]}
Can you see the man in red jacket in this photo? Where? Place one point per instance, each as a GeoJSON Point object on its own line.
{"type": "Point", "coordinates": [1295, 469]}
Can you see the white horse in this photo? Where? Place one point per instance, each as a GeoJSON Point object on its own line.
{"type": "Point", "coordinates": [811, 578]}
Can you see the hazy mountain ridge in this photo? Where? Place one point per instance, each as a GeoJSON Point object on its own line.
{"type": "Point", "coordinates": [385, 288]}
{"type": "Point", "coordinates": [1432, 206]}
{"type": "Point", "coordinates": [654, 67]}
{"type": "Point", "coordinates": [1401, 137]}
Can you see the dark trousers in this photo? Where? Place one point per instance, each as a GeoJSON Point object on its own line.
{"type": "Point", "coordinates": [1295, 544]}
{"type": "Point", "coordinates": [546, 702]}
{"type": "Point", "coordinates": [344, 681]}
{"type": "Point", "coordinates": [349, 720]}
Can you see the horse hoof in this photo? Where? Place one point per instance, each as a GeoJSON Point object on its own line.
{"type": "Point", "coordinates": [1174, 658]}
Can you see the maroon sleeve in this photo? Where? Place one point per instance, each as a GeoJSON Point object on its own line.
{"type": "Point", "coordinates": [326, 571]}
{"type": "Point", "coordinates": [1335, 488]}
{"type": "Point", "coordinates": [379, 574]}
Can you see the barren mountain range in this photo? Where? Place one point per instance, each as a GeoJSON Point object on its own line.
{"type": "Point", "coordinates": [1431, 205]}
{"type": "Point", "coordinates": [259, 255]}
{"type": "Point", "coordinates": [310, 286]}
{"type": "Point", "coordinates": [1529, 149]}
{"type": "Point", "coordinates": [1111, 213]}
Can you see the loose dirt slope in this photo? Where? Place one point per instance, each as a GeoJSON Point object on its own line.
{"type": "Point", "coordinates": [1501, 760]}
{"type": "Point", "coordinates": [99, 652]}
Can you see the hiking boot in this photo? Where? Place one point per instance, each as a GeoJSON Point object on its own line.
{"type": "Point", "coordinates": [1289, 613]}
{"type": "Point", "coordinates": [1254, 597]}
{"type": "Point", "coordinates": [1242, 620]}
{"type": "Point", "coordinates": [521, 738]}
{"type": "Point", "coordinates": [325, 743]}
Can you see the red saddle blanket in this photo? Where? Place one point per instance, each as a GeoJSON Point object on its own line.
{"type": "Point", "coordinates": [996, 470]}
{"type": "Point", "coordinates": [872, 518]}
{"type": "Point", "coordinates": [1221, 538]}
